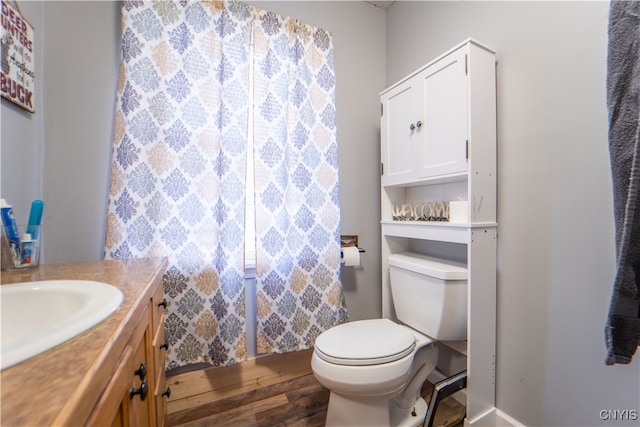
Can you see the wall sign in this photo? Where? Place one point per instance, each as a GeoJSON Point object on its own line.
{"type": "Point", "coordinates": [17, 82]}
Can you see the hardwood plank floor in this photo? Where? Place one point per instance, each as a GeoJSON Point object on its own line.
{"type": "Point", "coordinates": [300, 401]}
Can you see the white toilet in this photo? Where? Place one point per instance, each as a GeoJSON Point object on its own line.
{"type": "Point", "coordinates": [376, 368]}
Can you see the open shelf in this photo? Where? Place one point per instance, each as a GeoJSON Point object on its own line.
{"type": "Point", "coordinates": [459, 346]}
{"type": "Point", "coordinates": [439, 231]}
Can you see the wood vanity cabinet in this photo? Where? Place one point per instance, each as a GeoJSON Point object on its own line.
{"type": "Point", "coordinates": [112, 374]}
{"type": "Point", "coordinates": [136, 394]}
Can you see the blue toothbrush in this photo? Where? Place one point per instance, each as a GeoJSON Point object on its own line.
{"type": "Point", "coordinates": [35, 218]}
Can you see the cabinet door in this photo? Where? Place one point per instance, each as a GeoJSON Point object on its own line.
{"type": "Point", "coordinates": [141, 399]}
{"type": "Point", "coordinates": [113, 407]}
{"type": "Point", "coordinates": [443, 134]}
{"type": "Point", "coordinates": [161, 395]}
{"type": "Point", "coordinates": [160, 346]}
{"type": "Point", "coordinates": [128, 399]}
{"type": "Point", "coordinates": [398, 132]}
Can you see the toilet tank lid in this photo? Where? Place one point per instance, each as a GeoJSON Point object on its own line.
{"type": "Point", "coordinates": [430, 266]}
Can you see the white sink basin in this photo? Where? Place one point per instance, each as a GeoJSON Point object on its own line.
{"type": "Point", "coordinates": [37, 316]}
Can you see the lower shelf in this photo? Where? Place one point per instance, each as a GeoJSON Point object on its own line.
{"type": "Point", "coordinates": [459, 346]}
{"type": "Point", "coordinates": [440, 231]}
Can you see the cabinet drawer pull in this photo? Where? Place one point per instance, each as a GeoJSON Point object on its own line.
{"type": "Point", "coordinates": [163, 303]}
{"type": "Point", "coordinates": [167, 392]}
{"type": "Point", "coordinates": [165, 346]}
{"type": "Point", "coordinates": [419, 124]}
{"type": "Point", "coordinates": [141, 371]}
{"type": "Point", "coordinates": [412, 127]}
{"type": "Point", "coordinates": [142, 391]}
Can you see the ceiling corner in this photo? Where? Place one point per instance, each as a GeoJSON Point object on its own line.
{"type": "Point", "coordinates": [381, 4]}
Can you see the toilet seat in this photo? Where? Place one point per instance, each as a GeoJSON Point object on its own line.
{"type": "Point", "coordinates": [365, 343]}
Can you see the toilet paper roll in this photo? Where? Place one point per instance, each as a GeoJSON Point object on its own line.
{"type": "Point", "coordinates": [350, 256]}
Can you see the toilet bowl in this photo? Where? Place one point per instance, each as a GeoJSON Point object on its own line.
{"type": "Point", "coordinates": [375, 368]}
{"type": "Point", "coordinates": [375, 376]}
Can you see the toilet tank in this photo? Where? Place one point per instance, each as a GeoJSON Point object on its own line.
{"type": "Point", "coordinates": [430, 295]}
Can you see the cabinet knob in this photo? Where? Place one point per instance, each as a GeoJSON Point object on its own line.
{"type": "Point", "coordinates": [165, 346]}
{"type": "Point", "coordinates": [167, 392]}
{"type": "Point", "coordinates": [163, 303]}
{"type": "Point", "coordinates": [141, 371]}
{"type": "Point", "coordinates": [412, 127]}
{"type": "Point", "coordinates": [419, 124]}
{"type": "Point", "coordinates": [142, 391]}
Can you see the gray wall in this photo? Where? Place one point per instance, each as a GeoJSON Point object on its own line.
{"type": "Point", "coordinates": [555, 214]}
{"type": "Point", "coordinates": [81, 62]}
{"type": "Point", "coordinates": [61, 154]}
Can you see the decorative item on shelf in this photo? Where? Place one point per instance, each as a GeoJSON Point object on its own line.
{"type": "Point", "coordinates": [419, 212]}
{"type": "Point", "coordinates": [441, 211]}
{"type": "Point", "coordinates": [397, 213]}
{"type": "Point", "coordinates": [409, 212]}
{"type": "Point", "coordinates": [435, 211]}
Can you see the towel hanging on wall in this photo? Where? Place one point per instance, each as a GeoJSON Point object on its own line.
{"type": "Point", "coordinates": [622, 331]}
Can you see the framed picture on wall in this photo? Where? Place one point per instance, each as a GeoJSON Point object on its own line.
{"type": "Point", "coordinates": [17, 82]}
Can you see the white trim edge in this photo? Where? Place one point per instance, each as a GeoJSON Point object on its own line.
{"type": "Point", "coordinates": [493, 417]}
{"type": "Point", "coordinates": [506, 420]}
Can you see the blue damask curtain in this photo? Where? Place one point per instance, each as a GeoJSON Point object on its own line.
{"type": "Point", "coordinates": [296, 191]}
{"type": "Point", "coordinates": [178, 170]}
{"type": "Point", "coordinates": [185, 111]}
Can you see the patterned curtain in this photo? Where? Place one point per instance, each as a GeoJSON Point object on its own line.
{"type": "Point", "coordinates": [187, 87]}
{"type": "Point", "coordinates": [299, 291]}
{"type": "Point", "coordinates": [178, 173]}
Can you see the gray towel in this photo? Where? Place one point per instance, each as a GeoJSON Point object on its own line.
{"type": "Point", "coordinates": [622, 331]}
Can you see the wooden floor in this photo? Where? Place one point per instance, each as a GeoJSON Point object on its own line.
{"type": "Point", "coordinates": [298, 402]}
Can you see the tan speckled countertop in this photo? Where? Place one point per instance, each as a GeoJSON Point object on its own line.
{"type": "Point", "coordinates": [64, 383]}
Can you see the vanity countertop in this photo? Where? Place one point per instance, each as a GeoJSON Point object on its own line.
{"type": "Point", "coordinates": [64, 383]}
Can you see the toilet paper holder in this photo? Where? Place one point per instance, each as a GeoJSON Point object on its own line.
{"type": "Point", "coordinates": [348, 241]}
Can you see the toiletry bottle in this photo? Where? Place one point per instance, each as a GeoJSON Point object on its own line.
{"type": "Point", "coordinates": [10, 229]}
{"type": "Point", "coordinates": [26, 249]}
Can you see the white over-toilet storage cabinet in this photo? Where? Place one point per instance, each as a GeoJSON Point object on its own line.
{"type": "Point", "coordinates": [438, 143]}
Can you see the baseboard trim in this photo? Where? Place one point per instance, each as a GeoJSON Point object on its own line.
{"type": "Point", "coordinates": [493, 418]}
{"type": "Point", "coordinates": [507, 420]}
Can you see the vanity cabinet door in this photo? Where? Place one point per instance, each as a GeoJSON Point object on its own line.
{"type": "Point", "coordinates": [161, 395]}
{"type": "Point", "coordinates": [442, 149]}
{"type": "Point", "coordinates": [128, 399]}
{"type": "Point", "coordinates": [160, 346]}
{"type": "Point", "coordinates": [140, 396]}
{"type": "Point", "coordinates": [113, 407]}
